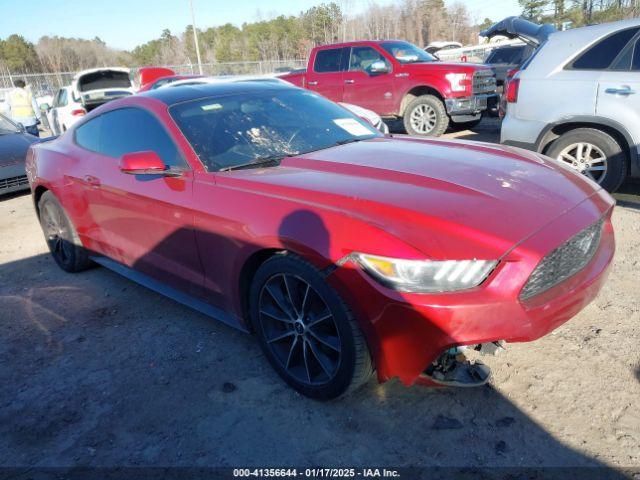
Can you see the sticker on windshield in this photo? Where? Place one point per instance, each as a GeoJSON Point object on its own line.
{"type": "Point", "coordinates": [211, 106]}
{"type": "Point", "coordinates": [352, 126]}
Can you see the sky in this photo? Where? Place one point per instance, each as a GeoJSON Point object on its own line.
{"type": "Point", "coordinates": [124, 24]}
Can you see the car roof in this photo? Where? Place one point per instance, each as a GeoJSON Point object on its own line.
{"type": "Point", "coordinates": [593, 32]}
{"type": "Point", "coordinates": [184, 93]}
{"type": "Point", "coordinates": [563, 46]}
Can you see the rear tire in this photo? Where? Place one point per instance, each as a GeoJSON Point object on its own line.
{"type": "Point", "coordinates": [61, 236]}
{"type": "Point", "coordinates": [306, 330]}
{"type": "Point", "coordinates": [596, 148]}
{"type": "Point", "coordinates": [426, 116]}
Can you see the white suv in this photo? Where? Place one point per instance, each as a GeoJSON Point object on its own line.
{"type": "Point", "coordinates": [578, 100]}
{"type": "Point", "coordinates": [88, 90]}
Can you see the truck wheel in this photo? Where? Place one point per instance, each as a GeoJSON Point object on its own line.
{"type": "Point", "coordinates": [61, 236]}
{"type": "Point", "coordinates": [593, 153]}
{"type": "Point", "coordinates": [306, 330]}
{"type": "Point", "coordinates": [426, 116]}
{"type": "Point", "coordinates": [461, 126]}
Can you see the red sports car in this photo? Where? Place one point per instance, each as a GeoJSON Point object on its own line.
{"type": "Point", "coordinates": [345, 251]}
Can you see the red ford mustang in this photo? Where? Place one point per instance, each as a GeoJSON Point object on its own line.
{"type": "Point", "coordinates": [345, 251]}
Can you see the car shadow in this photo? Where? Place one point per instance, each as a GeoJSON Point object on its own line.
{"type": "Point", "coordinates": [10, 196]}
{"type": "Point", "coordinates": [96, 370]}
{"type": "Point", "coordinates": [628, 195]}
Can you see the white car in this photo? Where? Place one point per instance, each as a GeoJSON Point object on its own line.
{"type": "Point", "coordinates": [88, 90]}
{"type": "Point", "coordinates": [577, 99]}
{"type": "Point", "coordinates": [371, 117]}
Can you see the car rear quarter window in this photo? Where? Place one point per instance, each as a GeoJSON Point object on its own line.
{"type": "Point", "coordinates": [328, 60]}
{"type": "Point", "coordinates": [130, 130]}
{"type": "Point", "coordinates": [602, 54]}
{"type": "Point", "coordinates": [635, 65]}
{"type": "Point", "coordinates": [87, 135]}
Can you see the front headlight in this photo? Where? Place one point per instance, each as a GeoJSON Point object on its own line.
{"type": "Point", "coordinates": [458, 81]}
{"type": "Point", "coordinates": [425, 276]}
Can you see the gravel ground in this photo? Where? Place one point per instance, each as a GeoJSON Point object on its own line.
{"type": "Point", "coordinates": [98, 371]}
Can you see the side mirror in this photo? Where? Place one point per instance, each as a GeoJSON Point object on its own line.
{"type": "Point", "coordinates": [142, 163]}
{"type": "Point", "coordinates": [378, 67]}
{"type": "Point", "coordinates": [45, 107]}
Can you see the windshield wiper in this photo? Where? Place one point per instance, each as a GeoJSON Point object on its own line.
{"type": "Point", "coordinates": [349, 140]}
{"type": "Point", "coordinates": [271, 160]}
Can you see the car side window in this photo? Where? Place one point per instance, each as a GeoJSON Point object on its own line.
{"type": "Point", "coordinates": [128, 130]}
{"type": "Point", "coordinates": [635, 63]}
{"type": "Point", "coordinates": [363, 57]}
{"type": "Point", "coordinates": [63, 98]}
{"type": "Point", "coordinates": [56, 100]}
{"type": "Point", "coordinates": [87, 135]}
{"type": "Point", "coordinates": [328, 60]}
{"type": "Point", "coordinates": [603, 53]}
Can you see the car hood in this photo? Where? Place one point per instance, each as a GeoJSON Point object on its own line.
{"type": "Point", "coordinates": [516, 27]}
{"type": "Point", "coordinates": [441, 197]}
{"type": "Point", "coordinates": [13, 147]}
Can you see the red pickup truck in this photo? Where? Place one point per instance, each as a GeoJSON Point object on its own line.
{"type": "Point", "coordinates": [397, 79]}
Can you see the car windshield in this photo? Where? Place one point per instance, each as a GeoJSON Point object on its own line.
{"type": "Point", "coordinates": [239, 130]}
{"type": "Point", "coordinates": [7, 126]}
{"type": "Point", "coordinates": [406, 52]}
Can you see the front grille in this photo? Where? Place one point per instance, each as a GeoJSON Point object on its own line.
{"type": "Point", "coordinates": [484, 81]}
{"type": "Point", "coordinates": [13, 182]}
{"type": "Point", "coordinates": [563, 262]}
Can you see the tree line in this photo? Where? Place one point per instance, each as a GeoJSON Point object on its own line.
{"type": "Point", "coordinates": [291, 37]}
{"type": "Point", "coordinates": [577, 13]}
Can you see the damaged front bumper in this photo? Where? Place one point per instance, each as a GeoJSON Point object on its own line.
{"type": "Point", "coordinates": [406, 333]}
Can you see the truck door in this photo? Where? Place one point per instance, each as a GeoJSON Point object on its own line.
{"type": "Point", "coordinates": [368, 88]}
{"type": "Point", "coordinates": [325, 71]}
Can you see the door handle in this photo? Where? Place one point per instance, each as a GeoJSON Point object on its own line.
{"type": "Point", "coordinates": [312, 83]}
{"type": "Point", "coordinates": [349, 81]}
{"type": "Point", "coordinates": [91, 180]}
{"type": "Point", "coordinates": [625, 90]}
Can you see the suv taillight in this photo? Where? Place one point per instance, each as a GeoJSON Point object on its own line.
{"type": "Point", "coordinates": [513, 85]}
{"type": "Point", "coordinates": [78, 112]}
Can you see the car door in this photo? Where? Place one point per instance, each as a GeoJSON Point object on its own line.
{"type": "Point", "coordinates": [325, 76]}
{"type": "Point", "coordinates": [365, 88]}
{"type": "Point", "coordinates": [143, 221]}
{"type": "Point", "coordinates": [619, 90]}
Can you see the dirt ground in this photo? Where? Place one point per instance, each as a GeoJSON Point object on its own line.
{"type": "Point", "coordinates": [98, 371]}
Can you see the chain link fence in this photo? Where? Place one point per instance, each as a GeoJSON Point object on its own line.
{"type": "Point", "coordinates": [42, 84]}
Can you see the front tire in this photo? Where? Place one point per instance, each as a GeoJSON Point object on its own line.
{"type": "Point", "coordinates": [306, 330]}
{"type": "Point", "coordinates": [593, 153]}
{"type": "Point", "coordinates": [426, 116]}
{"type": "Point", "coordinates": [61, 236]}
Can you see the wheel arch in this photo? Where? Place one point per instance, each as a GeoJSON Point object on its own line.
{"type": "Point", "coordinates": [616, 130]}
{"type": "Point", "coordinates": [247, 272]}
{"type": "Point", "coordinates": [416, 92]}
{"type": "Point", "coordinates": [37, 195]}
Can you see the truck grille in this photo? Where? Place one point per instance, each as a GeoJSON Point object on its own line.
{"type": "Point", "coordinates": [565, 261]}
{"type": "Point", "coordinates": [484, 81]}
{"type": "Point", "coordinates": [13, 182]}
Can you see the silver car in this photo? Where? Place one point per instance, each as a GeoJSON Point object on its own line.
{"type": "Point", "coordinates": [578, 97]}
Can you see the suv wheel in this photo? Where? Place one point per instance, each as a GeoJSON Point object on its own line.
{"type": "Point", "coordinates": [306, 330]}
{"type": "Point", "coordinates": [594, 154]}
{"type": "Point", "coordinates": [426, 116]}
